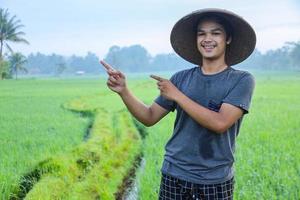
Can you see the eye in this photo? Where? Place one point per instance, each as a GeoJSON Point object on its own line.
{"type": "Point", "coordinates": [216, 33]}
{"type": "Point", "coordinates": [200, 34]}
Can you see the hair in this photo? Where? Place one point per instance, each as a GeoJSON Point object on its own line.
{"type": "Point", "coordinates": [220, 20]}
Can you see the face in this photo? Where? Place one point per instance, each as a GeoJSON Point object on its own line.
{"type": "Point", "coordinates": [211, 40]}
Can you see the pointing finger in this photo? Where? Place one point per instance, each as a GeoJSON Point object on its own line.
{"type": "Point", "coordinates": [157, 78]}
{"type": "Point", "coordinates": [107, 66]}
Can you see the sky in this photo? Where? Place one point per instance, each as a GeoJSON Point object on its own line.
{"type": "Point", "coordinates": [70, 27]}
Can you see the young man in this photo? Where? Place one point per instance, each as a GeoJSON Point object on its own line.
{"type": "Point", "coordinates": [210, 101]}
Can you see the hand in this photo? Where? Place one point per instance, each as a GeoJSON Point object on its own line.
{"type": "Point", "coordinates": [167, 88]}
{"type": "Point", "coordinates": [116, 79]}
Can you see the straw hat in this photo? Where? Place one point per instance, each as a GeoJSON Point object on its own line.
{"type": "Point", "coordinates": [183, 36]}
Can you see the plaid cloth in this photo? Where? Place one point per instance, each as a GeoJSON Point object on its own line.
{"type": "Point", "coordinates": [172, 188]}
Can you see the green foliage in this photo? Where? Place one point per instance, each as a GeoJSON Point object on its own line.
{"type": "Point", "coordinates": [17, 61]}
{"type": "Point", "coordinates": [34, 126]}
{"type": "Point", "coordinates": [295, 52]}
{"type": "Point", "coordinates": [267, 160]}
{"type": "Point", "coordinates": [103, 160]}
{"type": "Point", "coordinates": [136, 59]}
{"type": "Point", "coordinates": [10, 31]}
{"type": "Point", "coordinates": [61, 67]}
{"type": "Point", "coordinates": [49, 141]}
{"type": "Point", "coordinates": [55, 64]}
{"type": "Point", "coordinates": [285, 58]}
{"type": "Point", "coordinates": [4, 70]}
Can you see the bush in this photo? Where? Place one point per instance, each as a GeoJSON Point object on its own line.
{"type": "Point", "coordinates": [4, 70]}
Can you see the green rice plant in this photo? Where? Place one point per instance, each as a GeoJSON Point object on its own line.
{"type": "Point", "coordinates": [34, 126]}
{"type": "Point", "coordinates": [103, 161]}
{"type": "Point", "coordinates": [40, 137]}
{"type": "Point", "coordinates": [267, 157]}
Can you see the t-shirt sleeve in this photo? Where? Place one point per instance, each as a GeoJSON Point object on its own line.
{"type": "Point", "coordinates": [165, 103]}
{"type": "Point", "coordinates": [241, 93]}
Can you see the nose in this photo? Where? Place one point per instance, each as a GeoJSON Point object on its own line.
{"type": "Point", "coordinates": [207, 38]}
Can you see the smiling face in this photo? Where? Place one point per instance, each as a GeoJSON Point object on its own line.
{"type": "Point", "coordinates": [211, 40]}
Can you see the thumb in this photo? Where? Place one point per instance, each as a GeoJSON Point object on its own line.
{"type": "Point", "coordinates": [121, 74]}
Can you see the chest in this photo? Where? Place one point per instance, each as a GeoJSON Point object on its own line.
{"type": "Point", "coordinates": [208, 93]}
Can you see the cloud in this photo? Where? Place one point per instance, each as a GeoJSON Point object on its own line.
{"type": "Point", "coordinates": [75, 27]}
{"type": "Point", "coordinates": [275, 37]}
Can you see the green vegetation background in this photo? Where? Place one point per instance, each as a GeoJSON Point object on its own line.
{"type": "Point", "coordinates": [34, 125]}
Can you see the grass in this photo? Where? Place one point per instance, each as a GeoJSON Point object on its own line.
{"type": "Point", "coordinates": [93, 169]}
{"type": "Point", "coordinates": [38, 130]}
{"type": "Point", "coordinates": [267, 157]}
{"type": "Point", "coordinates": [268, 162]}
{"type": "Point", "coordinates": [33, 126]}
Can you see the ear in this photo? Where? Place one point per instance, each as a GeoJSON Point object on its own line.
{"type": "Point", "coordinates": [228, 40]}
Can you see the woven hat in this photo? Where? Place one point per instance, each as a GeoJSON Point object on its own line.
{"type": "Point", "coordinates": [183, 36]}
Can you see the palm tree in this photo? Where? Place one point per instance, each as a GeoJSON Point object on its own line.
{"type": "Point", "coordinates": [9, 32]}
{"type": "Point", "coordinates": [17, 60]}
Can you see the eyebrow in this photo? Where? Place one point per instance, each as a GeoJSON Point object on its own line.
{"type": "Point", "coordinates": [215, 29]}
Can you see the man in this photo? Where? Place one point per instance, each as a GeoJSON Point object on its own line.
{"type": "Point", "coordinates": [210, 101]}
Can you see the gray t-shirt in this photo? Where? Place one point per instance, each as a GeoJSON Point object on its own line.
{"type": "Point", "coordinates": [195, 153]}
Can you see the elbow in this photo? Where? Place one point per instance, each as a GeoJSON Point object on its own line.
{"type": "Point", "coordinates": [145, 122]}
{"type": "Point", "coordinates": [149, 123]}
{"type": "Point", "coordinates": [220, 128]}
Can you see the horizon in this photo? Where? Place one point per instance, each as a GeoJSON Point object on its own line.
{"type": "Point", "coordinates": [76, 28]}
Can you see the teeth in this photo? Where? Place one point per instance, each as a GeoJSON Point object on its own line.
{"type": "Point", "coordinates": [208, 47]}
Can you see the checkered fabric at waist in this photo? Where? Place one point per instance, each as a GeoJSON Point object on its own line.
{"type": "Point", "coordinates": [172, 188]}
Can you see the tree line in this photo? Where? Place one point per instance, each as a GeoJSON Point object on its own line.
{"type": "Point", "coordinates": [133, 58]}
{"type": "Point", "coordinates": [136, 58]}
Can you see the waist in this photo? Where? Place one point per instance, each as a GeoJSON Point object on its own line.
{"type": "Point", "coordinates": [213, 175]}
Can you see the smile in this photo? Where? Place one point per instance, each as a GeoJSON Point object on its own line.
{"type": "Point", "coordinates": [208, 46]}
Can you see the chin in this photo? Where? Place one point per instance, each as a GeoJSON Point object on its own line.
{"type": "Point", "coordinates": [211, 57]}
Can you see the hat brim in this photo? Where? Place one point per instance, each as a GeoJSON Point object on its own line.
{"type": "Point", "coordinates": [183, 36]}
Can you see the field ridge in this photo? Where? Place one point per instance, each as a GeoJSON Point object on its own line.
{"type": "Point", "coordinates": [101, 166]}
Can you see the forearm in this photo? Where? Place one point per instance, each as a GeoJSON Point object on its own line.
{"type": "Point", "coordinates": [136, 107]}
{"type": "Point", "coordinates": [218, 122]}
{"type": "Point", "coordinates": [205, 117]}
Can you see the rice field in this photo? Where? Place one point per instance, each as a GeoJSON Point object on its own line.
{"type": "Point", "coordinates": [77, 141]}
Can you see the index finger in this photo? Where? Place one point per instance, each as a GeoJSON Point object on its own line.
{"type": "Point", "coordinates": [107, 66]}
{"type": "Point", "coordinates": [157, 78]}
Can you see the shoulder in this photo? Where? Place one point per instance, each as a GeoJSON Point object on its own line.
{"type": "Point", "coordinates": [241, 75]}
{"type": "Point", "coordinates": [241, 81]}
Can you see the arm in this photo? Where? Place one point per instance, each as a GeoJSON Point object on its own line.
{"type": "Point", "coordinates": [143, 113]}
{"type": "Point", "coordinates": [218, 122]}
{"type": "Point", "coordinates": [148, 115]}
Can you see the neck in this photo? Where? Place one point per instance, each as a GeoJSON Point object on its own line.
{"type": "Point", "coordinates": [213, 66]}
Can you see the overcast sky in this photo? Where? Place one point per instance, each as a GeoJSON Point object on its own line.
{"type": "Point", "coordinates": [77, 26]}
